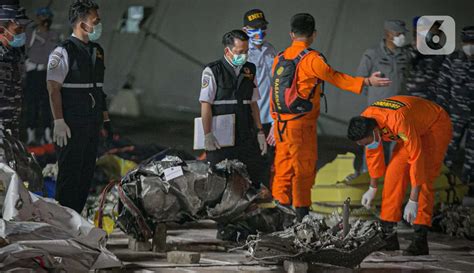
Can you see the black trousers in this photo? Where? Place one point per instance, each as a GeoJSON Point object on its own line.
{"type": "Point", "coordinates": [76, 162]}
{"type": "Point", "coordinates": [38, 112]}
{"type": "Point", "coordinates": [268, 159]}
{"type": "Point", "coordinates": [247, 151]}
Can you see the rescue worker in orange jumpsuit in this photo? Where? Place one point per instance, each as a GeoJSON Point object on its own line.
{"type": "Point", "coordinates": [296, 150]}
{"type": "Point", "coordinates": [422, 131]}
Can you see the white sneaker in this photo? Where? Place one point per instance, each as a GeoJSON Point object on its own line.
{"type": "Point", "coordinates": [31, 136]}
{"type": "Point", "coordinates": [47, 135]}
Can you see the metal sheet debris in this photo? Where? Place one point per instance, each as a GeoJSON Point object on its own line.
{"type": "Point", "coordinates": [313, 241]}
{"type": "Point", "coordinates": [224, 194]}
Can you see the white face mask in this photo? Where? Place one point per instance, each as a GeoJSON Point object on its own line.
{"type": "Point", "coordinates": [399, 40]}
{"type": "Point", "coordinates": [468, 49]}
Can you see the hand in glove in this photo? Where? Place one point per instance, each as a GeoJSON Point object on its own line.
{"type": "Point", "coordinates": [210, 142]}
{"type": "Point", "coordinates": [411, 209]}
{"type": "Point", "coordinates": [368, 197]}
{"type": "Point", "coordinates": [262, 142]}
{"type": "Point", "coordinates": [61, 132]}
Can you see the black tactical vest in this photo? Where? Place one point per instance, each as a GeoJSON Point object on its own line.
{"type": "Point", "coordinates": [82, 95]}
{"type": "Point", "coordinates": [234, 94]}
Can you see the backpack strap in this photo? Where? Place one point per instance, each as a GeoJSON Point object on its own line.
{"type": "Point", "coordinates": [302, 54]}
{"type": "Point", "coordinates": [323, 85]}
{"type": "Point", "coordinates": [285, 122]}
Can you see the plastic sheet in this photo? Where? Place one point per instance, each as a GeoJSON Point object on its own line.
{"type": "Point", "coordinates": [40, 234]}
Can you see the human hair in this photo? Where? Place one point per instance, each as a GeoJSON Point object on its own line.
{"type": "Point", "coordinates": [229, 38]}
{"type": "Point", "coordinates": [303, 25]}
{"type": "Point", "coordinates": [360, 127]}
{"type": "Point", "coordinates": [80, 9]}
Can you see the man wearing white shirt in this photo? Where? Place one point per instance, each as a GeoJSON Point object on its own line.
{"type": "Point", "coordinates": [261, 53]}
{"type": "Point", "coordinates": [75, 77]}
{"type": "Point", "coordinates": [229, 87]}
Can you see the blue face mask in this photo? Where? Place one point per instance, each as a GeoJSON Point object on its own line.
{"type": "Point", "coordinates": [18, 39]}
{"type": "Point", "coordinates": [375, 144]}
{"type": "Point", "coordinates": [96, 32]}
{"type": "Point", "coordinates": [256, 35]}
{"type": "Point", "coordinates": [238, 59]}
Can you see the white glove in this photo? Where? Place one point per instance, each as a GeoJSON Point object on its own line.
{"type": "Point", "coordinates": [368, 197]}
{"type": "Point", "coordinates": [262, 142]}
{"type": "Point", "coordinates": [61, 132]}
{"type": "Point", "coordinates": [210, 142]}
{"type": "Point", "coordinates": [411, 209]}
{"type": "Point", "coordinates": [51, 170]}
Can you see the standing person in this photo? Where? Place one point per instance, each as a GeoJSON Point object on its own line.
{"type": "Point", "coordinates": [229, 87]}
{"type": "Point", "coordinates": [422, 70]}
{"type": "Point", "coordinates": [455, 92]}
{"type": "Point", "coordinates": [391, 58]}
{"type": "Point", "coordinates": [261, 53]}
{"type": "Point", "coordinates": [12, 40]}
{"type": "Point", "coordinates": [75, 78]}
{"type": "Point", "coordinates": [39, 43]}
{"type": "Point", "coordinates": [422, 131]}
{"type": "Point", "coordinates": [296, 133]}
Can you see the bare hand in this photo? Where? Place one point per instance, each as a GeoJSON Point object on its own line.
{"type": "Point", "coordinates": [271, 137]}
{"type": "Point", "coordinates": [376, 80]}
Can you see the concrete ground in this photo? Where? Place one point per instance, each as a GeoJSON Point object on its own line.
{"type": "Point", "coordinates": [447, 254]}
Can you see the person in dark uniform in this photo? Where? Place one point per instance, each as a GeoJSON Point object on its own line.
{"type": "Point", "coordinates": [455, 93]}
{"type": "Point", "coordinates": [75, 77]}
{"type": "Point", "coordinates": [422, 70]}
{"type": "Point", "coordinates": [229, 87]}
{"type": "Point", "coordinates": [12, 40]}
{"type": "Point", "coordinates": [40, 41]}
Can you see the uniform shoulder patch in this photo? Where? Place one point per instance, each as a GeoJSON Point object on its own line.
{"type": "Point", "coordinates": [389, 104]}
{"type": "Point", "coordinates": [205, 81]}
{"type": "Point", "coordinates": [53, 62]}
{"type": "Point", "coordinates": [54, 59]}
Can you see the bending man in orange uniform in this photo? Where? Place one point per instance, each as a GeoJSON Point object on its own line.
{"type": "Point", "coordinates": [422, 131]}
{"type": "Point", "coordinates": [296, 139]}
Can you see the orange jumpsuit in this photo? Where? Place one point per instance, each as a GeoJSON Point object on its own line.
{"type": "Point", "coordinates": [422, 131]}
{"type": "Point", "coordinates": [296, 155]}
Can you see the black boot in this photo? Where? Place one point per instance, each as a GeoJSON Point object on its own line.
{"type": "Point", "coordinates": [419, 243]}
{"type": "Point", "coordinates": [301, 213]}
{"type": "Point", "coordinates": [390, 235]}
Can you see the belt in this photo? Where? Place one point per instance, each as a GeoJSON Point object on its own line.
{"type": "Point", "coordinates": [223, 102]}
{"type": "Point", "coordinates": [82, 85]}
{"type": "Point", "coordinates": [32, 66]}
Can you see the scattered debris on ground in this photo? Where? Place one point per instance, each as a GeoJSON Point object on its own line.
{"type": "Point", "coordinates": [455, 220]}
{"type": "Point", "coordinates": [315, 242]}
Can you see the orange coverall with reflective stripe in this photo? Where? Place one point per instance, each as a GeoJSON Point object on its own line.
{"type": "Point", "coordinates": [296, 154]}
{"type": "Point", "coordinates": [422, 130]}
